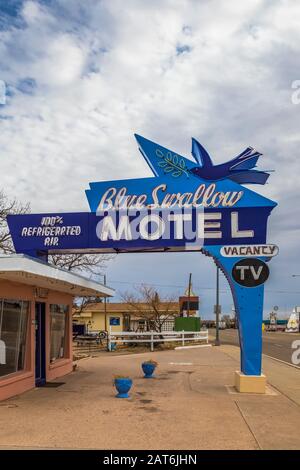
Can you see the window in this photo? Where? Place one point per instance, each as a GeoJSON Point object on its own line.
{"type": "Point", "coordinates": [58, 329]}
{"type": "Point", "coordinates": [13, 329]}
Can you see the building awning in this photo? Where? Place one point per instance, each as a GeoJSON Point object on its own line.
{"type": "Point", "coordinates": [27, 270]}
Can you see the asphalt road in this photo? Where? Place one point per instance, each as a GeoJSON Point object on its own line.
{"type": "Point", "coordinates": [275, 344]}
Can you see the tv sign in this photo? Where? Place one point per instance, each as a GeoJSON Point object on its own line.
{"type": "Point", "coordinates": [250, 272]}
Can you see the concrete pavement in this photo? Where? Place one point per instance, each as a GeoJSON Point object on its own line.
{"type": "Point", "coordinates": [190, 405]}
{"type": "Point", "coordinates": [284, 379]}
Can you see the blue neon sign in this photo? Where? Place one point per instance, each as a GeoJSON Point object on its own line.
{"type": "Point", "coordinates": [188, 204]}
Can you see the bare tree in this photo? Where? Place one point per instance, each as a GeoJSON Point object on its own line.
{"type": "Point", "coordinates": [7, 207]}
{"type": "Point", "coordinates": [227, 319]}
{"type": "Point", "coordinates": [81, 262]}
{"type": "Point", "coordinates": [81, 303]}
{"type": "Point", "coordinates": [146, 304]}
{"type": "Point", "coordinates": [92, 264]}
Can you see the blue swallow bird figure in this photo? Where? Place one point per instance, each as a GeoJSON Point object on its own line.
{"type": "Point", "coordinates": [239, 169]}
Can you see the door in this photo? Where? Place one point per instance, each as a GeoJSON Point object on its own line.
{"type": "Point", "coordinates": [40, 348]}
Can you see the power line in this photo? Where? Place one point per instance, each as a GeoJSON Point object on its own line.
{"type": "Point", "coordinates": [133, 283]}
{"type": "Point", "coordinates": [147, 283]}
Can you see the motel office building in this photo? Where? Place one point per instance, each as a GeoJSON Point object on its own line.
{"type": "Point", "coordinates": [36, 302]}
{"type": "Point", "coordinates": [120, 316]}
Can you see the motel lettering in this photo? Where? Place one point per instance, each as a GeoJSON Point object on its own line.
{"type": "Point", "coordinates": [205, 196]}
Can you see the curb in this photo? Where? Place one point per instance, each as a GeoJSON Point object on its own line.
{"type": "Point", "coordinates": [282, 362]}
{"type": "Point", "coordinates": [194, 347]}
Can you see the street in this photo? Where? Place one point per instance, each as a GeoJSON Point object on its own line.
{"type": "Point", "coordinates": [275, 344]}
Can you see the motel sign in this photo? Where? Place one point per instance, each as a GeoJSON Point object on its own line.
{"type": "Point", "coordinates": [187, 205]}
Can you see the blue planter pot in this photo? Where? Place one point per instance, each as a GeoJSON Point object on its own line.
{"type": "Point", "coordinates": [123, 386]}
{"type": "Point", "coordinates": [148, 369]}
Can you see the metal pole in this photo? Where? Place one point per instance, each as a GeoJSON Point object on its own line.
{"type": "Point", "coordinates": [189, 292]}
{"type": "Point", "coordinates": [217, 341]}
{"type": "Point", "coordinates": [105, 304]}
{"type": "Point", "coordinates": [105, 316]}
{"type": "Point", "coordinates": [109, 340]}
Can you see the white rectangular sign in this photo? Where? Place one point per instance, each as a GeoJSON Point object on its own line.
{"type": "Point", "coordinates": [247, 251]}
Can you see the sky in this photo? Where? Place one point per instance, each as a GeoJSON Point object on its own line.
{"type": "Point", "coordinates": [83, 76]}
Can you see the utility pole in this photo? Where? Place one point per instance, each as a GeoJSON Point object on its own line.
{"type": "Point", "coordinates": [189, 295]}
{"type": "Point", "coordinates": [105, 317]}
{"type": "Point", "coordinates": [104, 276]}
{"type": "Point", "coordinates": [217, 341]}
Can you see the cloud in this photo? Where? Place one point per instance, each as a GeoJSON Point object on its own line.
{"type": "Point", "coordinates": [84, 76]}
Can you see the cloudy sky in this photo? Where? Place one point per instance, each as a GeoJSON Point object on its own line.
{"type": "Point", "coordinates": [83, 75]}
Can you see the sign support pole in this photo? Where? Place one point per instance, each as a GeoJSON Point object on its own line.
{"type": "Point", "coordinates": [217, 341]}
{"type": "Point", "coordinates": [248, 303]}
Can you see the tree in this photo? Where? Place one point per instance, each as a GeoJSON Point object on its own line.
{"type": "Point", "coordinates": [9, 206]}
{"type": "Point", "coordinates": [94, 264]}
{"type": "Point", "coordinates": [81, 303]}
{"type": "Point", "coordinates": [146, 304]}
{"type": "Point", "coordinates": [227, 320]}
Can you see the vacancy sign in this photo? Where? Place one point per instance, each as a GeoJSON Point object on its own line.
{"type": "Point", "coordinates": [249, 250]}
